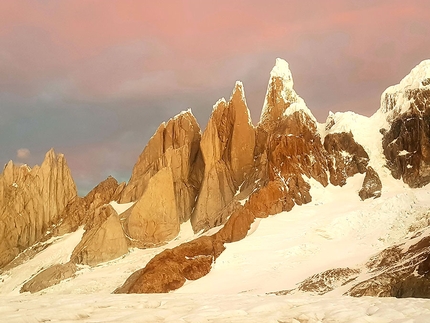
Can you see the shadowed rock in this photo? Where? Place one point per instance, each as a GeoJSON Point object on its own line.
{"type": "Point", "coordinates": [347, 157]}
{"type": "Point", "coordinates": [406, 142]}
{"type": "Point", "coordinates": [372, 185]}
{"type": "Point", "coordinates": [49, 277]}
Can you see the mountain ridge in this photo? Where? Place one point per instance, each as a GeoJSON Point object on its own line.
{"type": "Point", "coordinates": [234, 173]}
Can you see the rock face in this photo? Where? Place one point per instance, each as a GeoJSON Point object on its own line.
{"type": "Point", "coordinates": [398, 271]}
{"type": "Point", "coordinates": [81, 211]}
{"type": "Point", "coordinates": [261, 167]}
{"type": "Point", "coordinates": [49, 277]}
{"type": "Point", "coordinates": [101, 242]}
{"type": "Point", "coordinates": [372, 185]}
{"type": "Point", "coordinates": [170, 269]}
{"type": "Point", "coordinates": [289, 144]}
{"type": "Point", "coordinates": [347, 158]}
{"type": "Point", "coordinates": [406, 143]}
{"type": "Point", "coordinates": [31, 201]}
{"type": "Point", "coordinates": [227, 147]}
{"type": "Point", "coordinates": [230, 175]}
{"type": "Point", "coordinates": [153, 219]}
{"type": "Point", "coordinates": [324, 282]}
{"type": "Point", "coordinates": [175, 146]}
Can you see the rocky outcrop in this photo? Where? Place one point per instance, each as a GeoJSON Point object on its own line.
{"type": "Point", "coordinates": [402, 270]}
{"type": "Point", "coordinates": [324, 282]}
{"type": "Point", "coordinates": [31, 201]}
{"type": "Point", "coordinates": [406, 139]}
{"type": "Point", "coordinates": [171, 268]}
{"type": "Point", "coordinates": [101, 242]}
{"type": "Point", "coordinates": [347, 157]}
{"type": "Point", "coordinates": [175, 145]}
{"type": "Point", "coordinates": [227, 147]}
{"type": "Point", "coordinates": [288, 138]}
{"type": "Point", "coordinates": [49, 277]}
{"type": "Point", "coordinates": [81, 211]}
{"type": "Point", "coordinates": [372, 185]}
{"type": "Point", "coordinates": [252, 173]}
{"type": "Point", "coordinates": [398, 272]}
{"type": "Point", "coordinates": [153, 220]}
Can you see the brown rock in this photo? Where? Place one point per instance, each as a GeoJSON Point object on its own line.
{"type": "Point", "coordinates": [30, 202]}
{"type": "Point", "coordinates": [174, 145]}
{"type": "Point", "coordinates": [407, 143]}
{"type": "Point", "coordinates": [372, 185]}
{"type": "Point", "coordinates": [227, 148]}
{"type": "Point", "coordinates": [49, 277]}
{"type": "Point", "coordinates": [396, 272]}
{"type": "Point", "coordinates": [153, 220]}
{"type": "Point", "coordinates": [347, 157]}
{"type": "Point", "coordinates": [171, 268]}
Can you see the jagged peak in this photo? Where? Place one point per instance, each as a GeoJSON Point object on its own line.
{"type": "Point", "coordinates": [282, 70]}
{"type": "Point", "coordinates": [218, 103]}
{"type": "Point", "coordinates": [240, 90]}
{"type": "Point", "coordinates": [280, 88]}
{"type": "Point", "coordinates": [238, 87]}
{"type": "Point", "coordinates": [418, 77]}
{"type": "Point", "coordinates": [184, 113]}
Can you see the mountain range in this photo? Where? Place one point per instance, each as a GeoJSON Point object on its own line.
{"type": "Point", "coordinates": [285, 207]}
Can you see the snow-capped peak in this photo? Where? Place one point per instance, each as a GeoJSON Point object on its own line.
{"type": "Point", "coordinates": [394, 100]}
{"type": "Point", "coordinates": [419, 77]}
{"type": "Point", "coordinates": [282, 70]}
{"type": "Point", "coordinates": [291, 101]}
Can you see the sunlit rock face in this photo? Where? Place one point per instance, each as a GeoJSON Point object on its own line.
{"type": "Point", "coordinates": [31, 201]}
{"type": "Point", "coordinates": [227, 148]}
{"type": "Point", "coordinates": [251, 172]}
{"type": "Point", "coordinates": [406, 136]}
{"type": "Point", "coordinates": [153, 220]}
{"type": "Point", "coordinates": [175, 145]}
{"type": "Point", "coordinates": [81, 211]}
{"type": "Point", "coordinates": [226, 177]}
{"type": "Point", "coordinates": [103, 240]}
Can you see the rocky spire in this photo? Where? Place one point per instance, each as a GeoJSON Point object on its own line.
{"type": "Point", "coordinates": [30, 202]}
{"type": "Point", "coordinates": [174, 145]}
{"type": "Point", "coordinates": [281, 99]}
{"type": "Point", "coordinates": [227, 147]}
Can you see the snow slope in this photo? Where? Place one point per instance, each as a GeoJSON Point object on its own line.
{"type": "Point", "coordinates": [211, 308]}
{"type": "Point", "coordinates": [335, 230]}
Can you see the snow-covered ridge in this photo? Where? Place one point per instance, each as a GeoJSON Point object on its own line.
{"type": "Point", "coordinates": [394, 100]}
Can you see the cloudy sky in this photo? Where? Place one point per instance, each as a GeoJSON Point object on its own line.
{"type": "Point", "coordinates": [94, 79]}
